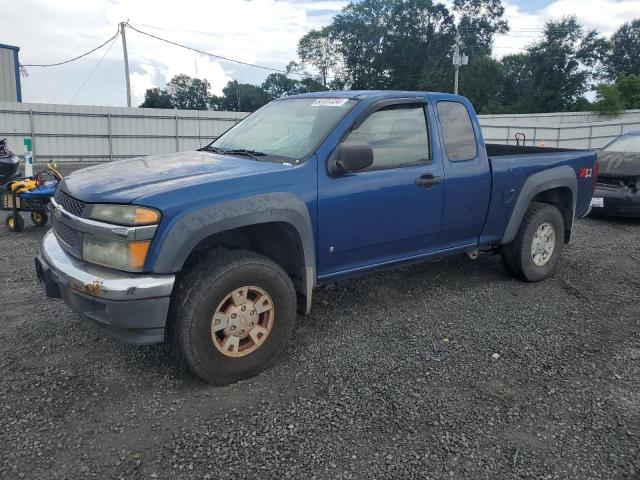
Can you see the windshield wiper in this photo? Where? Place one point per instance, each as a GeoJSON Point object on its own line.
{"type": "Point", "coordinates": [247, 153]}
{"type": "Point", "coordinates": [211, 148]}
{"type": "Point", "coordinates": [253, 154]}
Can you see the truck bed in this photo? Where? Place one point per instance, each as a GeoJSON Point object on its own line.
{"type": "Point", "coordinates": [512, 165]}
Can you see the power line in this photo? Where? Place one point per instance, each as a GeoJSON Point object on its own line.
{"type": "Point", "coordinates": [213, 55]}
{"type": "Point", "coordinates": [71, 59]}
{"type": "Point", "coordinates": [93, 70]}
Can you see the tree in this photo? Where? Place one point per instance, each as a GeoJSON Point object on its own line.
{"type": "Point", "coordinates": [623, 56]}
{"type": "Point", "coordinates": [156, 98]}
{"type": "Point", "coordinates": [483, 82]}
{"type": "Point", "coordinates": [629, 88]}
{"type": "Point", "coordinates": [556, 71]}
{"type": "Point", "coordinates": [608, 101]}
{"type": "Point", "coordinates": [623, 94]}
{"type": "Point", "coordinates": [479, 21]}
{"type": "Point", "coordinates": [518, 83]}
{"type": "Point", "coordinates": [402, 44]}
{"type": "Point", "coordinates": [188, 93]}
{"type": "Point", "coordinates": [241, 97]}
{"type": "Point", "coordinates": [279, 85]}
{"type": "Point", "coordinates": [318, 48]}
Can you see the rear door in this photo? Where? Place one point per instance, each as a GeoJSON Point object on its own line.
{"type": "Point", "coordinates": [393, 209]}
{"type": "Point", "coordinates": [468, 186]}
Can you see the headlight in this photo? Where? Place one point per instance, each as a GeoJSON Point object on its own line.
{"type": "Point", "coordinates": [121, 255]}
{"type": "Point", "coordinates": [128, 215]}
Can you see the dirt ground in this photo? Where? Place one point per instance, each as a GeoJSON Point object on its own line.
{"type": "Point", "coordinates": [391, 376]}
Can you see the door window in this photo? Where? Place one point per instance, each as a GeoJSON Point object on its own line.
{"type": "Point", "coordinates": [457, 129]}
{"type": "Point", "coordinates": [397, 134]}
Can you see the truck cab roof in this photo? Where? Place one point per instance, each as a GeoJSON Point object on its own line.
{"type": "Point", "coordinates": [373, 94]}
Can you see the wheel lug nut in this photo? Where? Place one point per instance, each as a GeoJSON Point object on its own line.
{"type": "Point", "coordinates": [233, 327]}
{"type": "Point", "coordinates": [252, 312]}
{"type": "Point", "coordinates": [243, 308]}
{"type": "Point", "coordinates": [233, 315]}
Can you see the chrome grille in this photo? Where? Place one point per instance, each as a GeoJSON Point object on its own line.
{"type": "Point", "coordinates": [70, 204]}
{"type": "Point", "coordinates": [67, 234]}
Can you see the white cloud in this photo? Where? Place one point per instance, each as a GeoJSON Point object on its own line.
{"type": "Point", "coordinates": [264, 32]}
{"type": "Point", "coordinates": [604, 15]}
{"type": "Point", "coordinates": [141, 81]}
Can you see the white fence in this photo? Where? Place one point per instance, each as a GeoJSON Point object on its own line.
{"type": "Point", "coordinates": [581, 136]}
{"type": "Point", "coordinates": [90, 133]}
{"type": "Point", "coordinates": [567, 129]}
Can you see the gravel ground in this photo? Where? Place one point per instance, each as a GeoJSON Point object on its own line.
{"type": "Point", "coordinates": [391, 376]}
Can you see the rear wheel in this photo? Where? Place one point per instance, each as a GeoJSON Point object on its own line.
{"type": "Point", "coordinates": [14, 222]}
{"type": "Point", "coordinates": [39, 219]}
{"type": "Point", "coordinates": [231, 315]}
{"type": "Point", "coordinates": [534, 253]}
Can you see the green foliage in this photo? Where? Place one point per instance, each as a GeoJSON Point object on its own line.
{"type": "Point", "coordinates": [629, 88]}
{"type": "Point", "coordinates": [479, 21]}
{"type": "Point", "coordinates": [407, 45]}
{"type": "Point", "coordinates": [608, 101]}
{"type": "Point", "coordinates": [621, 95]}
{"type": "Point", "coordinates": [240, 97]}
{"type": "Point", "coordinates": [482, 83]}
{"type": "Point", "coordinates": [555, 72]}
{"type": "Point", "coordinates": [318, 48]}
{"type": "Point", "coordinates": [188, 93]}
{"type": "Point", "coordinates": [623, 56]}
{"type": "Point", "coordinates": [156, 98]}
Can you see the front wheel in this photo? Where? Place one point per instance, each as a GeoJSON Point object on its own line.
{"type": "Point", "coordinates": [231, 315]}
{"type": "Point", "coordinates": [534, 253]}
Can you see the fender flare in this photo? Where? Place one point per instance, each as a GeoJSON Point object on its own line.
{"type": "Point", "coordinates": [189, 230]}
{"type": "Point", "coordinates": [557, 177]}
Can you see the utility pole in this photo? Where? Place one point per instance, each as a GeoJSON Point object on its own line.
{"type": "Point", "coordinates": [126, 62]}
{"type": "Point", "coordinates": [458, 61]}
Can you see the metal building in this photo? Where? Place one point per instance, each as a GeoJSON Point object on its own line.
{"type": "Point", "coordinates": [9, 74]}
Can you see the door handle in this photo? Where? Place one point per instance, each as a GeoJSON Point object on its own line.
{"type": "Point", "coordinates": [427, 181]}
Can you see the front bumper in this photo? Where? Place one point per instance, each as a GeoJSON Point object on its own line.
{"type": "Point", "coordinates": [617, 201]}
{"type": "Point", "coordinates": [130, 307]}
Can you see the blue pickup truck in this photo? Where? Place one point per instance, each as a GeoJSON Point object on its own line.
{"type": "Point", "coordinates": [215, 250]}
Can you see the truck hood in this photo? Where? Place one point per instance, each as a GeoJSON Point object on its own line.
{"type": "Point", "coordinates": [125, 180]}
{"type": "Point", "coordinates": [619, 164]}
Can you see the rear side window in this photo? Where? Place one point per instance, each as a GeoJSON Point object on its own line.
{"type": "Point", "coordinates": [397, 135]}
{"type": "Point", "coordinates": [459, 139]}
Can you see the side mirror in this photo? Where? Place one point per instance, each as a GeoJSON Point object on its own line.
{"type": "Point", "coordinates": [350, 157]}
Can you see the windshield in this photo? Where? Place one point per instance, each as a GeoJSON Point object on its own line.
{"type": "Point", "coordinates": [286, 128]}
{"type": "Point", "coordinates": [625, 144]}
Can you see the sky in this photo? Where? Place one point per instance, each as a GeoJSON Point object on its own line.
{"type": "Point", "coordinates": [263, 32]}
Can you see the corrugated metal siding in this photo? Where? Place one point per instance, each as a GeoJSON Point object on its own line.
{"type": "Point", "coordinates": [555, 119]}
{"type": "Point", "coordinates": [559, 130]}
{"type": "Point", "coordinates": [92, 133]}
{"type": "Point", "coordinates": [8, 87]}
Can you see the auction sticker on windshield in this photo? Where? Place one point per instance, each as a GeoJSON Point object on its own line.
{"type": "Point", "coordinates": [329, 102]}
{"type": "Point", "coordinates": [597, 202]}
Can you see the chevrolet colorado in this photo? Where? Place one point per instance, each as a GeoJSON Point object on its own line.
{"type": "Point", "coordinates": [215, 250]}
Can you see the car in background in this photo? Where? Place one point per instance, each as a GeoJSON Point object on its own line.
{"type": "Point", "coordinates": [617, 190]}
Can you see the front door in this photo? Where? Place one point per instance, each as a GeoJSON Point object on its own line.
{"type": "Point", "coordinates": [389, 211]}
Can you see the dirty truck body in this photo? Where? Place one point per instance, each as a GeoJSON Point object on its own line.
{"type": "Point", "coordinates": [215, 250]}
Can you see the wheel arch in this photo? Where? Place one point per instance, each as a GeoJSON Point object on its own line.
{"type": "Point", "coordinates": [557, 186]}
{"type": "Point", "coordinates": [276, 225]}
